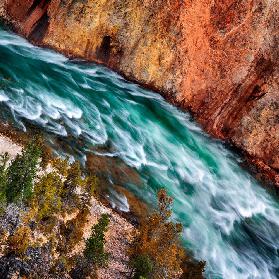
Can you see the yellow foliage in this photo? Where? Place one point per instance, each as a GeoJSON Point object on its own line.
{"type": "Point", "coordinates": [74, 229]}
{"type": "Point", "coordinates": [61, 166]}
{"type": "Point", "coordinates": [47, 195]}
{"type": "Point", "coordinates": [30, 215]}
{"type": "Point", "coordinates": [91, 184]}
{"type": "Point", "coordinates": [158, 239]}
{"type": "Point", "coordinates": [20, 240]}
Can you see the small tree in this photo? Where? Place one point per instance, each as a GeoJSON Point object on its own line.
{"type": "Point", "coordinates": [3, 180]}
{"type": "Point", "coordinates": [73, 178]}
{"type": "Point", "coordinates": [71, 199]}
{"type": "Point", "coordinates": [73, 230]}
{"type": "Point", "coordinates": [3, 171]}
{"type": "Point", "coordinates": [91, 184]}
{"type": "Point", "coordinates": [94, 254]}
{"type": "Point", "coordinates": [47, 192]}
{"type": "Point", "coordinates": [94, 250]}
{"type": "Point", "coordinates": [142, 266]}
{"type": "Point", "coordinates": [19, 241]}
{"type": "Point", "coordinates": [158, 241]}
{"type": "Point", "coordinates": [21, 174]}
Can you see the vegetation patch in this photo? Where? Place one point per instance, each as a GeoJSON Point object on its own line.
{"type": "Point", "coordinates": [46, 205]}
{"type": "Point", "coordinates": [36, 197]}
{"type": "Point", "coordinates": [156, 251]}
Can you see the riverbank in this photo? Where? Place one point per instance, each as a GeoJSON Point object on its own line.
{"type": "Point", "coordinates": [112, 195]}
{"type": "Point", "coordinates": [7, 146]}
{"type": "Point", "coordinates": [118, 237]}
{"type": "Point", "coordinates": [57, 226]}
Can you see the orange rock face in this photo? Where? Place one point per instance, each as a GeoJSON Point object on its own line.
{"type": "Point", "coordinates": [219, 59]}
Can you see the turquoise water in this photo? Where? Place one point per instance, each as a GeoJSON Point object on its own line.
{"type": "Point", "coordinates": [230, 220]}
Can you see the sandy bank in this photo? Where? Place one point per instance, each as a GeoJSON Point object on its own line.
{"type": "Point", "coordinates": [6, 145]}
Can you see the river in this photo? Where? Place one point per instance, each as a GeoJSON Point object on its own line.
{"type": "Point", "coordinates": [230, 220]}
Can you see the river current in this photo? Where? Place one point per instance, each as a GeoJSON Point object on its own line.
{"type": "Point", "coordinates": [230, 220]}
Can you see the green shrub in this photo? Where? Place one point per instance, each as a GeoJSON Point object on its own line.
{"type": "Point", "coordinates": [3, 170]}
{"type": "Point", "coordinates": [21, 174]}
{"type": "Point", "coordinates": [142, 266]}
{"type": "Point", "coordinates": [94, 254]}
{"type": "Point", "coordinates": [94, 250]}
{"type": "Point", "coordinates": [3, 180]}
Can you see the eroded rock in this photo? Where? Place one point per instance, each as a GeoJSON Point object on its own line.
{"type": "Point", "coordinates": [217, 58]}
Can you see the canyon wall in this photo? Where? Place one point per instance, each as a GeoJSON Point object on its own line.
{"type": "Point", "coordinates": [219, 59]}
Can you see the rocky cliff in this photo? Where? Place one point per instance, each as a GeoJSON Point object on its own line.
{"type": "Point", "coordinates": [219, 59]}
